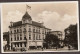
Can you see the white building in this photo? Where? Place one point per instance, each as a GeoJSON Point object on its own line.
{"type": "Point", "coordinates": [27, 33]}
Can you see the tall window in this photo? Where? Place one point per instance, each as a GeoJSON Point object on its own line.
{"type": "Point", "coordinates": [39, 30]}
{"type": "Point", "coordinates": [33, 29]}
{"type": "Point", "coordinates": [11, 32]}
{"type": "Point", "coordinates": [17, 30]}
{"type": "Point", "coordinates": [20, 36]}
{"type": "Point", "coordinates": [43, 32]}
{"type": "Point", "coordinates": [20, 44]}
{"type": "Point", "coordinates": [43, 36]}
{"type": "Point", "coordinates": [36, 36]}
{"type": "Point", "coordinates": [17, 37]}
{"type": "Point", "coordinates": [39, 37]}
{"type": "Point", "coordinates": [25, 44]}
{"type": "Point", "coordinates": [29, 36]}
{"type": "Point", "coordinates": [33, 36]}
{"type": "Point", "coordinates": [20, 30]}
{"type": "Point", "coordinates": [15, 44]}
{"type": "Point", "coordinates": [24, 36]}
{"type": "Point", "coordinates": [36, 30]}
{"type": "Point", "coordinates": [14, 31]}
{"type": "Point", "coordinates": [14, 37]}
{"type": "Point", "coordinates": [11, 37]}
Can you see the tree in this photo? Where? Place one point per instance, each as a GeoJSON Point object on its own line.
{"type": "Point", "coordinates": [51, 41]}
{"type": "Point", "coordinates": [71, 36]}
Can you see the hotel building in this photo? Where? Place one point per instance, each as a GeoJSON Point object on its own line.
{"type": "Point", "coordinates": [27, 33]}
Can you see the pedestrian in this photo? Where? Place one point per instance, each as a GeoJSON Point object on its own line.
{"type": "Point", "coordinates": [56, 47]}
{"type": "Point", "coordinates": [42, 48]}
{"type": "Point", "coordinates": [68, 47]}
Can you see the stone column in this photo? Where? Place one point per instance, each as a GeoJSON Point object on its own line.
{"type": "Point", "coordinates": [27, 45]}
{"type": "Point", "coordinates": [10, 46]}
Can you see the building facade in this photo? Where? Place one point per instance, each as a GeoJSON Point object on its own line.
{"type": "Point", "coordinates": [27, 33]}
{"type": "Point", "coordinates": [59, 34]}
{"type": "Point", "coordinates": [6, 40]}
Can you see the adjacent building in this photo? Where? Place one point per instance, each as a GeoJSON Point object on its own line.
{"type": "Point", "coordinates": [27, 33]}
{"type": "Point", "coordinates": [59, 34]}
{"type": "Point", "coordinates": [6, 40]}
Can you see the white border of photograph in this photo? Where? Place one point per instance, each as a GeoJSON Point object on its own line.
{"type": "Point", "coordinates": [38, 3]}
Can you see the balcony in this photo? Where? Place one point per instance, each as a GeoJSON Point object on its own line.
{"type": "Point", "coordinates": [19, 41]}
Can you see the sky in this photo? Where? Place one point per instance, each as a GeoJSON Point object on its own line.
{"type": "Point", "coordinates": [55, 15]}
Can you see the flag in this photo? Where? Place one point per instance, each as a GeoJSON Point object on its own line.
{"type": "Point", "coordinates": [28, 7]}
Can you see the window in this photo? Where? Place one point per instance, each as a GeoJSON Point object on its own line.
{"type": "Point", "coordinates": [39, 30]}
{"type": "Point", "coordinates": [25, 44]}
{"type": "Point", "coordinates": [17, 37]}
{"type": "Point", "coordinates": [36, 30]}
{"type": "Point", "coordinates": [14, 37]}
{"type": "Point", "coordinates": [39, 37]}
{"type": "Point", "coordinates": [11, 32]}
{"type": "Point", "coordinates": [29, 29]}
{"type": "Point", "coordinates": [11, 37]}
{"type": "Point", "coordinates": [15, 44]}
{"type": "Point", "coordinates": [20, 36]}
{"type": "Point", "coordinates": [43, 32]}
{"type": "Point", "coordinates": [24, 29]}
{"type": "Point", "coordinates": [14, 31]}
{"type": "Point", "coordinates": [17, 30]}
{"type": "Point", "coordinates": [43, 37]}
{"type": "Point", "coordinates": [33, 30]}
{"type": "Point", "coordinates": [20, 44]}
{"type": "Point", "coordinates": [33, 36]}
{"type": "Point", "coordinates": [20, 30]}
{"type": "Point", "coordinates": [36, 37]}
{"type": "Point", "coordinates": [24, 36]}
{"type": "Point", "coordinates": [29, 36]}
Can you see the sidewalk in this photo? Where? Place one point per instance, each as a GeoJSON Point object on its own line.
{"type": "Point", "coordinates": [65, 49]}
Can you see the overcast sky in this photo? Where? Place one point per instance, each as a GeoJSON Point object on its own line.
{"type": "Point", "coordinates": [56, 16]}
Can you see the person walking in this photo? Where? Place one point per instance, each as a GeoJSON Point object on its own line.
{"type": "Point", "coordinates": [68, 47]}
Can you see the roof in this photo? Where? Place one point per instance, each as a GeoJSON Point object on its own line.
{"type": "Point", "coordinates": [5, 33]}
{"type": "Point", "coordinates": [26, 16]}
{"type": "Point", "coordinates": [19, 23]}
{"type": "Point", "coordinates": [37, 24]}
{"type": "Point", "coordinates": [56, 31]}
